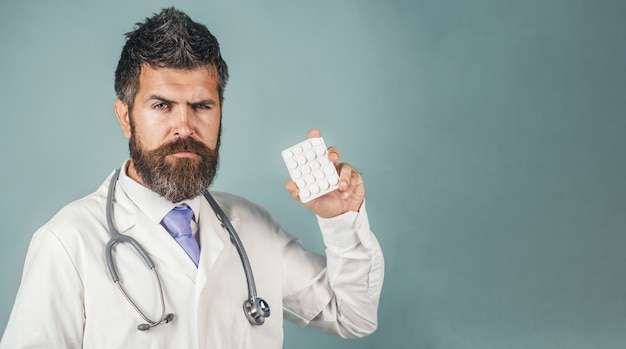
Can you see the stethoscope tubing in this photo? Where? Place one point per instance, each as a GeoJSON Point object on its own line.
{"type": "Point", "coordinates": [234, 238]}
{"type": "Point", "coordinates": [255, 308]}
{"type": "Point", "coordinates": [116, 237]}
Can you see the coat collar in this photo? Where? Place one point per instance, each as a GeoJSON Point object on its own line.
{"type": "Point", "coordinates": [165, 251]}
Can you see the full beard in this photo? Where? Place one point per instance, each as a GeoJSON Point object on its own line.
{"type": "Point", "coordinates": [175, 179]}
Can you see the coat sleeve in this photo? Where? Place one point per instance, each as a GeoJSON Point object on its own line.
{"type": "Point", "coordinates": [48, 310]}
{"type": "Point", "coordinates": [347, 290]}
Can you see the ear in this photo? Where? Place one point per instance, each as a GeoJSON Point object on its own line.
{"type": "Point", "coordinates": [123, 116]}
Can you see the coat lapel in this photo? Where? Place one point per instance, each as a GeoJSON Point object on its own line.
{"type": "Point", "coordinates": [158, 243]}
{"type": "Point", "coordinates": [164, 250]}
{"type": "Point", "coordinates": [214, 242]}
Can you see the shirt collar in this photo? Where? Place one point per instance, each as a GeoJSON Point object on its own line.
{"type": "Point", "coordinates": [154, 206]}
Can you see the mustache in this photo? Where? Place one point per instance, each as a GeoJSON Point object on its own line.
{"type": "Point", "coordinates": [183, 145]}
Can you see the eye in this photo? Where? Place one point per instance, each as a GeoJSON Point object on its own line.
{"type": "Point", "coordinates": [201, 106]}
{"type": "Point", "coordinates": [160, 106]}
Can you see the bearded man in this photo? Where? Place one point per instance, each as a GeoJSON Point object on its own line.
{"type": "Point", "coordinates": [170, 83]}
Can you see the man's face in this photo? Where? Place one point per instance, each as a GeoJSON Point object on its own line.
{"type": "Point", "coordinates": [174, 130]}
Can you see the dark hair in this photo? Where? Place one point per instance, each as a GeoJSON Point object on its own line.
{"type": "Point", "coordinates": [169, 39]}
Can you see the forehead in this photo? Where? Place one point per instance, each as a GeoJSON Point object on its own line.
{"type": "Point", "coordinates": [201, 80]}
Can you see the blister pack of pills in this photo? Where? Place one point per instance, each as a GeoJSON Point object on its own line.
{"type": "Point", "coordinates": [310, 168]}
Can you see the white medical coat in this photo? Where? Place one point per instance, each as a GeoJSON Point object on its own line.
{"type": "Point", "coordinates": [67, 298]}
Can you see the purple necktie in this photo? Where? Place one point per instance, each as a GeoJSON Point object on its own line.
{"type": "Point", "coordinates": [177, 222]}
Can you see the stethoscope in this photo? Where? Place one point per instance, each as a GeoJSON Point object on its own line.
{"type": "Point", "coordinates": [255, 308]}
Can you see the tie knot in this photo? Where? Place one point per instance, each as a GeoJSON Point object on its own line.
{"type": "Point", "coordinates": [178, 220]}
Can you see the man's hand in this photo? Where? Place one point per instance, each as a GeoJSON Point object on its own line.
{"type": "Point", "coordinates": [348, 197]}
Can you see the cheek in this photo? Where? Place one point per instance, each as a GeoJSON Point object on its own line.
{"type": "Point", "coordinates": [211, 132]}
{"type": "Point", "coordinates": [217, 133]}
{"type": "Point", "coordinates": [147, 138]}
{"type": "Point", "coordinates": [150, 131]}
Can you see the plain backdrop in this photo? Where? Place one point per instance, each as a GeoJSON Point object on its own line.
{"type": "Point", "coordinates": [490, 134]}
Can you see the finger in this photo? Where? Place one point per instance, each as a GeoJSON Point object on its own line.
{"type": "Point", "coordinates": [333, 155]}
{"type": "Point", "coordinates": [293, 189]}
{"type": "Point", "coordinates": [355, 182]}
{"type": "Point", "coordinates": [345, 174]}
{"type": "Point", "coordinates": [314, 133]}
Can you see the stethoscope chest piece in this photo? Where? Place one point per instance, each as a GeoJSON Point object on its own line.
{"type": "Point", "coordinates": [256, 310]}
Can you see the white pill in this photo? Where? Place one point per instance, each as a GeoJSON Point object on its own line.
{"type": "Point", "coordinates": [287, 154]}
{"type": "Point", "coordinates": [315, 165]}
{"type": "Point", "coordinates": [320, 150]}
{"type": "Point", "coordinates": [333, 180]}
{"type": "Point", "coordinates": [330, 169]}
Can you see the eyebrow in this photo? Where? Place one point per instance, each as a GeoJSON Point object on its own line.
{"type": "Point", "coordinates": [158, 98]}
{"type": "Point", "coordinates": [209, 101]}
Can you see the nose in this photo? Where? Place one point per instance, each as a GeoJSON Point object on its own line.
{"type": "Point", "coordinates": [183, 123]}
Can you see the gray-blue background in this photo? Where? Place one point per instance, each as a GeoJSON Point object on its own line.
{"type": "Point", "coordinates": [490, 133]}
